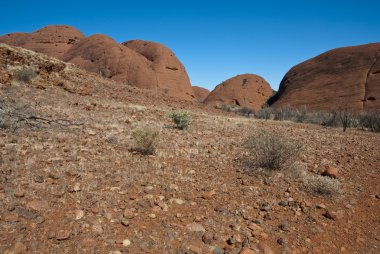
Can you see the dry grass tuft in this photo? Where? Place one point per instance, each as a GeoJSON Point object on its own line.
{"type": "Point", "coordinates": [270, 151]}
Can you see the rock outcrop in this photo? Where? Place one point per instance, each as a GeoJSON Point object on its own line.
{"type": "Point", "coordinates": [101, 54]}
{"type": "Point", "coordinates": [200, 93]}
{"type": "Point", "coordinates": [171, 75]}
{"type": "Point", "coordinates": [341, 78]}
{"type": "Point", "coordinates": [143, 64]}
{"type": "Point", "coordinates": [247, 90]}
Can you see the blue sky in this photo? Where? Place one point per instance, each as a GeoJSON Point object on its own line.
{"type": "Point", "coordinates": [215, 40]}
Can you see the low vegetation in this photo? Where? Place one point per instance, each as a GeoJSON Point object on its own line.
{"type": "Point", "coordinates": [182, 120]}
{"type": "Point", "coordinates": [322, 185]}
{"type": "Point", "coordinates": [25, 74]}
{"type": "Point", "coordinates": [270, 151]}
{"type": "Point", "coordinates": [342, 118]}
{"type": "Point", "coordinates": [145, 140]}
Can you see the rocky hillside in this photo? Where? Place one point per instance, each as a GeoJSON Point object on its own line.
{"type": "Point", "coordinates": [341, 78]}
{"type": "Point", "coordinates": [247, 90]}
{"type": "Point", "coordinates": [142, 64]}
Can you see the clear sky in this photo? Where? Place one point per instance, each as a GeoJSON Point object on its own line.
{"type": "Point", "coordinates": [215, 40]}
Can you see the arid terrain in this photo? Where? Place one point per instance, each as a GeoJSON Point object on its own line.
{"type": "Point", "coordinates": [70, 181]}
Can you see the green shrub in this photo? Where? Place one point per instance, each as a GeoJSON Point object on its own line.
{"type": "Point", "coordinates": [180, 119]}
{"type": "Point", "coordinates": [25, 75]}
{"type": "Point", "coordinates": [145, 140]}
{"type": "Point", "coordinates": [270, 151]}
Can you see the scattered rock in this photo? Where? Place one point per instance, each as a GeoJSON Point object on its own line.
{"type": "Point", "coordinates": [19, 194]}
{"type": "Point", "coordinates": [331, 172]}
{"type": "Point", "coordinates": [39, 179]}
{"type": "Point", "coordinates": [281, 241]}
{"type": "Point", "coordinates": [38, 205]}
{"type": "Point", "coordinates": [247, 251]}
{"type": "Point", "coordinates": [129, 213]}
{"type": "Point", "coordinates": [125, 222]}
{"type": "Point", "coordinates": [331, 215]}
{"type": "Point", "coordinates": [18, 248]}
{"type": "Point", "coordinates": [79, 214]}
{"type": "Point", "coordinates": [207, 237]}
{"type": "Point", "coordinates": [126, 242]}
{"type": "Point", "coordinates": [208, 194]}
{"type": "Point", "coordinates": [264, 248]}
{"type": "Point", "coordinates": [97, 229]}
{"type": "Point", "coordinates": [62, 235]}
{"type": "Point", "coordinates": [195, 227]}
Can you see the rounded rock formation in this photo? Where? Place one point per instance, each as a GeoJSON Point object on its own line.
{"type": "Point", "coordinates": [101, 54]}
{"type": "Point", "coordinates": [54, 41]}
{"type": "Point", "coordinates": [200, 93]}
{"type": "Point", "coordinates": [343, 78]}
{"type": "Point", "coordinates": [171, 75]}
{"type": "Point", "coordinates": [143, 64]}
{"type": "Point", "coordinates": [246, 90]}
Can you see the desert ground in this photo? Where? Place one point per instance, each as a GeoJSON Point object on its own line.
{"type": "Point", "coordinates": [71, 181]}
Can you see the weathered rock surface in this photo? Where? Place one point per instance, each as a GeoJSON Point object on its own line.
{"type": "Point", "coordinates": [247, 90]}
{"type": "Point", "coordinates": [171, 76]}
{"type": "Point", "coordinates": [101, 54]}
{"type": "Point", "coordinates": [200, 93]}
{"type": "Point", "coordinates": [346, 77]}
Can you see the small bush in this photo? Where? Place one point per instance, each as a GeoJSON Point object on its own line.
{"type": "Point", "coordinates": [264, 113]}
{"type": "Point", "coordinates": [181, 119]}
{"type": "Point", "coordinates": [245, 111]}
{"type": "Point", "coordinates": [270, 151]}
{"type": "Point", "coordinates": [321, 185]}
{"type": "Point", "coordinates": [145, 139]}
{"type": "Point", "coordinates": [25, 75]}
{"type": "Point", "coordinates": [345, 118]}
{"type": "Point", "coordinates": [370, 120]}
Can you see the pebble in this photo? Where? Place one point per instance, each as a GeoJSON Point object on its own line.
{"type": "Point", "coordinates": [79, 214]}
{"type": "Point", "coordinates": [177, 201]}
{"type": "Point", "coordinates": [152, 215]}
{"type": "Point", "coordinates": [129, 213]}
{"type": "Point", "coordinates": [18, 248]}
{"type": "Point", "coordinates": [281, 241]}
{"type": "Point", "coordinates": [208, 194]}
{"type": "Point", "coordinates": [331, 172]}
{"type": "Point", "coordinates": [207, 237]}
{"type": "Point", "coordinates": [125, 222]}
{"type": "Point", "coordinates": [39, 179]}
{"type": "Point", "coordinates": [62, 235]}
{"type": "Point", "coordinates": [283, 203]}
{"type": "Point", "coordinates": [126, 242]}
{"type": "Point", "coordinates": [247, 251]}
{"type": "Point", "coordinates": [331, 215]}
{"type": "Point", "coordinates": [148, 189]}
{"type": "Point", "coordinates": [19, 194]}
{"type": "Point", "coordinates": [38, 205]}
{"type": "Point", "coordinates": [97, 229]}
{"type": "Point", "coordinates": [264, 248]}
{"type": "Point", "coordinates": [76, 187]}
{"type": "Point", "coordinates": [11, 218]}
{"type": "Point", "coordinates": [195, 227]}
